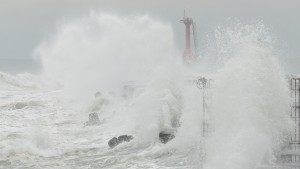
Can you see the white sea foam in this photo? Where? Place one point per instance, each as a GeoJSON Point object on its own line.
{"type": "Point", "coordinates": [248, 99]}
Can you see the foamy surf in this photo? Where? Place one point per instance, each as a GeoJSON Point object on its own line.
{"type": "Point", "coordinates": [144, 89]}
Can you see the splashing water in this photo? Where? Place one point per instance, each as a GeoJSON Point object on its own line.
{"type": "Point", "coordinates": [248, 101]}
{"type": "Point", "coordinates": [103, 51]}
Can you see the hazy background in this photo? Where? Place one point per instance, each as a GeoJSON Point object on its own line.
{"type": "Point", "coordinates": [25, 23]}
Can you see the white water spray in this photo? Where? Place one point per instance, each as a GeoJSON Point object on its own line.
{"type": "Point", "coordinates": [102, 51]}
{"type": "Point", "coordinates": [250, 101]}
{"type": "Point", "coordinates": [248, 108]}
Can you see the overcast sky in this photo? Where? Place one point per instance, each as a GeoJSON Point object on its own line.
{"type": "Point", "coordinates": [25, 23]}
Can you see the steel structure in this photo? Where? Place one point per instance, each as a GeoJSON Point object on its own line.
{"type": "Point", "coordinates": [291, 154]}
{"type": "Point", "coordinates": [204, 84]}
{"type": "Point", "coordinates": [295, 109]}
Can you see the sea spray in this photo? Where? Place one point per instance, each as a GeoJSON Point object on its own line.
{"type": "Point", "coordinates": [250, 100]}
{"type": "Point", "coordinates": [103, 51]}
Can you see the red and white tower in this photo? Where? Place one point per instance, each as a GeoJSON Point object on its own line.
{"type": "Point", "coordinates": [188, 54]}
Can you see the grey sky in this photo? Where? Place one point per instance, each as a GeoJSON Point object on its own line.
{"type": "Point", "coordinates": [25, 23]}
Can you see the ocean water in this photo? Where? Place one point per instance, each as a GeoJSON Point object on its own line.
{"type": "Point", "coordinates": [145, 88]}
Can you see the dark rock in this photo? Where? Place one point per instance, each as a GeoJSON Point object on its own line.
{"type": "Point", "coordinates": [125, 138]}
{"type": "Point", "coordinates": [166, 136]}
{"type": "Point", "coordinates": [116, 141]}
{"type": "Point", "coordinates": [113, 142]}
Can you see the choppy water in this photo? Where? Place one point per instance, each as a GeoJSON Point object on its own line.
{"type": "Point", "coordinates": [38, 130]}
{"type": "Point", "coordinates": [42, 116]}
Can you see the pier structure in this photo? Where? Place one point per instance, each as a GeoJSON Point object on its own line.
{"type": "Point", "coordinates": [291, 154]}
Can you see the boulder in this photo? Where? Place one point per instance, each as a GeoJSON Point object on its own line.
{"type": "Point", "coordinates": [116, 141]}
{"type": "Point", "coordinates": [166, 135]}
{"type": "Point", "coordinates": [125, 138]}
{"type": "Point", "coordinates": [113, 142]}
